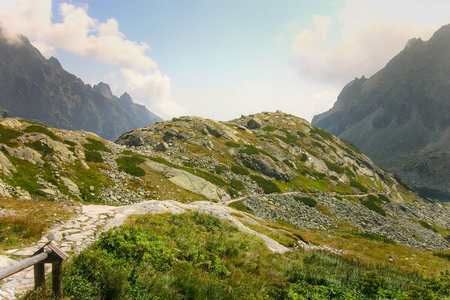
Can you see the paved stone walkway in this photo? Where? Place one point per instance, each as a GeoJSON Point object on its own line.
{"type": "Point", "coordinates": [82, 230]}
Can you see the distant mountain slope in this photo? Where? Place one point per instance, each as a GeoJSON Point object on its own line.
{"type": "Point", "coordinates": [37, 88]}
{"type": "Point", "coordinates": [400, 117]}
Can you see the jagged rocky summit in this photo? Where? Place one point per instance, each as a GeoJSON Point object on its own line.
{"type": "Point", "coordinates": [400, 117]}
{"type": "Point", "coordinates": [37, 88]}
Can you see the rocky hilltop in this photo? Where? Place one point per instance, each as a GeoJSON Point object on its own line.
{"type": "Point", "coordinates": [37, 88]}
{"type": "Point", "coordinates": [270, 175]}
{"type": "Point", "coordinates": [400, 117]}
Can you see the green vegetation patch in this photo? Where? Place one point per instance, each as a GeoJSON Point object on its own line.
{"type": "Point", "coordinates": [306, 200]}
{"type": "Point", "coordinates": [195, 256]}
{"type": "Point", "coordinates": [239, 170]}
{"type": "Point", "coordinates": [301, 134]}
{"type": "Point", "coordinates": [232, 144]}
{"type": "Point", "coordinates": [374, 203]}
{"type": "Point", "coordinates": [334, 167]}
{"type": "Point", "coordinates": [288, 163]}
{"type": "Point", "coordinates": [237, 185]}
{"type": "Point", "coordinates": [426, 225]}
{"type": "Point", "coordinates": [304, 157]}
{"type": "Point", "coordinates": [356, 184]}
{"type": "Point", "coordinates": [249, 149]}
{"type": "Point", "coordinates": [95, 145]}
{"type": "Point", "coordinates": [6, 135]}
{"type": "Point", "coordinates": [37, 145]}
{"type": "Point", "coordinates": [268, 186]}
{"type": "Point", "coordinates": [41, 129]}
{"type": "Point", "coordinates": [219, 169]}
{"type": "Point", "coordinates": [129, 164]}
{"type": "Point", "coordinates": [324, 134]}
{"type": "Point", "coordinates": [70, 143]}
{"type": "Point", "coordinates": [269, 128]}
{"type": "Point", "coordinates": [189, 164]}
{"type": "Point", "coordinates": [239, 205]}
{"type": "Point", "coordinates": [93, 156]}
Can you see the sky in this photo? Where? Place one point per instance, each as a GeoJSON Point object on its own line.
{"type": "Point", "coordinates": [221, 59]}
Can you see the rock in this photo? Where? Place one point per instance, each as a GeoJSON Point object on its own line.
{"type": "Point", "coordinates": [47, 192]}
{"type": "Point", "coordinates": [25, 153]}
{"type": "Point", "coordinates": [73, 188]}
{"type": "Point", "coordinates": [12, 123]}
{"type": "Point", "coordinates": [170, 135]}
{"type": "Point", "coordinates": [254, 123]}
{"type": "Point", "coordinates": [189, 181]}
{"type": "Point", "coordinates": [265, 165]}
{"type": "Point", "coordinates": [162, 147]}
{"type": "Point", "coordinates": [186, 135]}
{"type": "Point", "coordinates": [6, 262]}
{"type": "Point", "coordinates": [6, 166]}
{"type": "Point", "coordinates": [55, 236]}
{"type": "Point", "coordinates": [3, 190]}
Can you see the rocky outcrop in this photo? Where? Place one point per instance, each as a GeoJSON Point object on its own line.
{"type": "Point", "coordinates": [191, 182]}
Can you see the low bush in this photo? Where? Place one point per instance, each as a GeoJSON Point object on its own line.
{"type": "Point", "coordinates": [37, 145]}
{"type": "Point", "coordinates": [129, 164]}
{"type": "Point", "coordinates": [93, 156]}
{"type": "Point", "coordinates": [232, 144]}
{"type": "Point", "coordinates": [237, 185]}
{"type": "Point", "coordinates": [219, 169]}
{"type": "Point", "coordinates": [42, 129]}
{"type": "Point", "coordinates": [324, 134]}
{"type": "Point", "coordinates": [334, 167]}
{"type": "Point", "coordinates": [249, 149]}
{"type": "Point", "coordinates": [358, 185]}
{"type": "Point", "coordinates": [239, 170]}
{"type": "Point", "coordinates": [268, 186]}
{"type": "Point", "coordinates": [95, 145]}
{"type": "Point", "coordinates": [6, 135]}
{"type": "Point", "coordinates": [306, 200]}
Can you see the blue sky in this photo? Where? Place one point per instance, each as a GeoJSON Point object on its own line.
{"type": "Point", "coordinates": [221, 59]}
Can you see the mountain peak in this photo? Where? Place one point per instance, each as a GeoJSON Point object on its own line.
{"type": "Point", "coordinates": [104, 89]}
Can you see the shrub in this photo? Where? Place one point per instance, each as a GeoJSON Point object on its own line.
{"type": "Point", "coordinates": [93, 156]}
{"type": "Point", "coordinates": [249, 149]}
{"type": "Point", "coordinates": [129, 164]}
{"type": "Point", "coordinates": [70, 143]}
{"type": "Point", "coordinates": [232, 144]}
{"type": "Point", "coordinates": [41, 129]}
{"type": "Point", "coordinates": [374, 207]}
{"type": "Point", "coordinates": [371, 283]}
{"type": "Point", "coordinates": [239, 170]}
{"type": "Point", "coordinates": [189, 164]}
{"type": "Point", "coordinates": [358, 185]}
{"type": "Point", "coordinates": [95, 145]}
{"type": "Point", "coordinates": [324, 134]}
{"type": "Point", "coordinates": [237, 185]}
{"type": "Point", "coordinates": [288, 163]}
{"type": "Point", "coordinates": [6, 135]}
{"type": "Point", "coordinates": [239, 205]}
{"type": "Point", "coordinates": [334, 167]}
{"type": "Point", "coordinates": [268, 186]}
{"type": "Point", "coordinates": [269, 128]}
{"type": "Point", "coordinates": [304, 157]}
{"type": "Point", "coordinates": [219, 169]}
{"type": "Point", "coordinates": [306, 200]}
{"type": "Point", "coordinates": [37, 145]}
{"type": "Point", "coordinates": [301, 134]}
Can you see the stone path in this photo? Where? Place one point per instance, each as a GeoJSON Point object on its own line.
{"type": "Point", "coordinates": [82, 230]}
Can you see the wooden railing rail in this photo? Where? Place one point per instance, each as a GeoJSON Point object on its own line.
{"type": "Point", "coordinates": [53, 255]}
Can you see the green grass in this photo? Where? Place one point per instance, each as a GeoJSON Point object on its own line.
{"type": "Point", "coordinates": [37, 145]}
{"type": "Point", "coordinates": [239, 170]}
{"type": "Point", "coordinates": [239, 205]}
{"type": "Point", "coordinates": [95, 145]}
{"type": "Point", "coordinates": [195, 256]}
{"type": "Point", "coordinates": [237, 185]}
{"type": "Point", "coordinates": [129, 164]}
{"type": "Point", "coordinates": [268, 186]}
{"type": "Point", "coordinates": [41, 129]}
{"type": "Point", "coordinates": [249, 149]}
{"type": "Point", "coordinates": [373, 203]}
{"type": "Point", "coordinates": [232, 144]}
{"type": "Point", "coordinates": [306, 200]}
{"type": "Point", "coordinates": [219, 169]}
{"type": "Point", "coordinates": [93, 156]}
{"type": "Point", "coordinates": [358, 185]}
{"type": "Point", "coordinates": [334, 167]}
{"type": "Point", "coordinates": [6, 135]}
{"type": "Point", "coordinates": [269, 128]}
{"type": "Point", "coordinates": [324, 134]}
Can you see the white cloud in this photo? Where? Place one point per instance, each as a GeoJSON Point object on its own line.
{"type": "Point", "coordinates": [156, 86]}
{"type": "Point", "coordinates": [372, 33]}
{"type": "Point", "coordinates": [83, 35]}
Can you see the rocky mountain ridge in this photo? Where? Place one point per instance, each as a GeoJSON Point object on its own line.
{"type": "Point", "coordinates": [273, 165]}
{"type": "Point", "coordinates": [34, 87]}
{"type": "Point", "coordinates": [400, 117]}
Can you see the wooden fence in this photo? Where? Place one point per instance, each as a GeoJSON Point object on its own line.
{"type": "Point", "coordinates": [52, 255]}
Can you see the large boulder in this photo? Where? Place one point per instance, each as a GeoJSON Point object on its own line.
{"type": "Point", "coordinates": [266, 166]}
